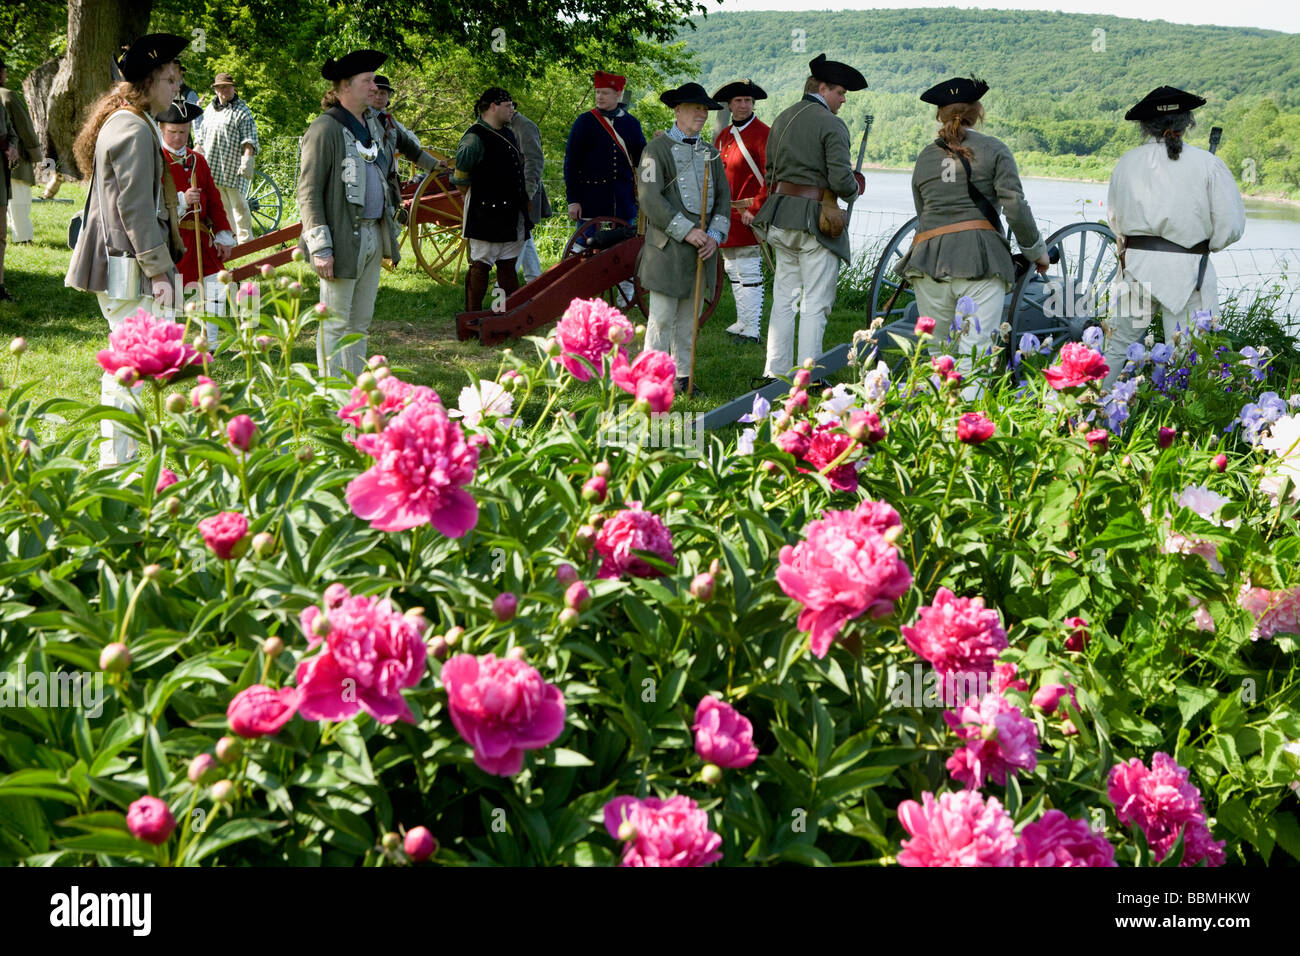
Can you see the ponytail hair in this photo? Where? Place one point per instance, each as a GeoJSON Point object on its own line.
{"type": "Point", "coordinates": [1170, 129]}
{"type": "Point", "coordinates": [953, 119]}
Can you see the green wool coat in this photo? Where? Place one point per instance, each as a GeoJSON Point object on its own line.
{"type": "Point", "coordinates": [29, 147]}
{"type": "Point", "coordinates": [808, 145]}
{"type": "Point", "coordinates": [666, 263]}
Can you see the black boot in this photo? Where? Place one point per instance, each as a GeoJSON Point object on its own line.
{"type": "Point", "coordinates": [476, 283]}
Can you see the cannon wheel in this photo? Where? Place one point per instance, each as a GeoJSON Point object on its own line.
{"type": "Point", "coordinates": [886, 280]}
{"type": "Point", "coordinates": [437, 245]}
{"type": "Point", "coordinates": [1079, 282]}
{"type": "Point", "coordinates": [264, 203]}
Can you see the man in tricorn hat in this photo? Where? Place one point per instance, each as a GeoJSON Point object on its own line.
{"type": "Point", "coordinates": [673, 201]}
{"type": "Point", "coordinates": [227, 139]}
{"type": "Point", "coordinates": [397, 139]}
{"type": "Point", "coordinates": [28, 151]}
{"type": "Point", "coordinates": [743, 146]}
{"type": "Point", "coordinates": [807, 167]}
{"type": "Point", "coordinates": [1170, 205]}
{"type": "Point", "coordinates": [204, 226]}
{"type": "Point", "coordinates": [348, 229]}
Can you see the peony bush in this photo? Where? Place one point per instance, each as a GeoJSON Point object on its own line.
{"type": "Point", "coordinates": [343, 623]}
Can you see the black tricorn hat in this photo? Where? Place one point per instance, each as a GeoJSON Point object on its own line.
{"type": "Point", "coordinates": [688, 93]}
{"type": "Point", "coordinates": [740, 88]}
{"type": "Point", "coordinates": [381, 81]}
{"type": "Point", "coordinates": [834, 72]}
{"type": "Point", "coordinates": [958, 89]}
{"type": "Point", "coordinates": [358, 61]}
{"type": "Point", "coordinates": [1164, 101]}
{"type": "Point", "coordinates": [148, 53]}
{"type": "Point", "coordinates": [179, 111]}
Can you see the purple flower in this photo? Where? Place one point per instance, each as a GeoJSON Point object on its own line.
{"type": "Point", "coordinates": [762, 407]}
{"type": "Point", "coordinates": [1092, 337]}
{"type": "Point", "coordinates": [1202, 320]}
{"type": "Point", "coordinates": [1161, 353]}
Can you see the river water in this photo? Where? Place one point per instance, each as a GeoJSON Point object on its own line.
{"type": "Point", "coordinates": [1268, 253]}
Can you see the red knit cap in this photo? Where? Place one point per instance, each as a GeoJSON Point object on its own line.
{"type": "Point", "coordinates": [613, 80]}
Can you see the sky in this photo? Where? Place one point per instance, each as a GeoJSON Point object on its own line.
{"type": "Point", "coordinates": [1265, 14]}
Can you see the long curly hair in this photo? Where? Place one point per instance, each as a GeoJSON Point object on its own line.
{"type": "Point", "coordinates": [134, 96]}
{"type": "Point", "coordinates": [953, 120]}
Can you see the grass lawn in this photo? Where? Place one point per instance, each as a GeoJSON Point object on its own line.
{"type": "Point", "coordinates": [414, 325]}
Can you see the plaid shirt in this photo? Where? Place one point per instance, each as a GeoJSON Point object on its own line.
{"type": "Point", "coordinates": [222, 138]}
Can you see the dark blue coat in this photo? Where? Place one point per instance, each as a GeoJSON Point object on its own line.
{"type": "Point", "coordinates": [596, 173]}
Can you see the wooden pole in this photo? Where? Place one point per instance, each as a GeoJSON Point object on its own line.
{"type": "Point", "coordinates": [699, 274]}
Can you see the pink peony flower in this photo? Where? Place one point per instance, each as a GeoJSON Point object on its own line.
{"type": "Point", "coordinates": [943, 364]}
{"type": "Point", "coordinates": [588, 329]}
{"type": "Point", "coordinates": [1163, 803]}
{"type": "Point", "coordinates": [795, 440]}
{"type": "Point", "coordinates": [259, 710]}
{"type": "Point", "coordinates": [149, 347]}
{"type": "Point", "coordinates": [650, 377]}
{"type": "Point", "coordinates": [1004, 678]}
{"type": "Point", "coordinates": [844, 567]}
{"type": "Point", "coordinates": [672, 832]}
{"type": "Point", "coordinates": [166, 478]}
{"type": "Point", "coordinates": [1165, 437]}
{"type": "Point", "coordinates": [501, 707]}
{"type": "Point", "coordinates": [421, 462]}
{"type": "Point", "coordinates": [1201, 615]}
{"type": "Point", "coordinates": [957, 634]}
{"type": "Point", "coordinates": [1048, 697]}
{"type": "Point", "coordinates": [1078, 637]}
{"type": "Point", "coordinates": [241, 431]}
{"type": "Point", "coordinates": [397, 395]}
{"type": "Point", "coordinates": [370, 653]}
{"type": "Point", "coordinates": [1275, 612]}
{"type": "Point", "coordinates": [865, 426]}
{"type": "Point", "coordinates": [1078, 366]}
{"type": "Point", "coordinates": [629, 531]}
{"type": "Point", "coordinates": [150, 819]}
{"type": "Point", "coordinates": [957, 829]}
{"type": "Point", "coordinates": [722, 735]}
{"type": "Point", "coordinates": [924, 325]}
{"type": "Point", "coordinates": [828, 442]}
{"type": "Point", "coordinates": [1000, 738]}
{"type": "Point", "coordinates": [974, 427]}
{"type": "Point", "coordinates": [1056, 840]}
{"type": "Point", "coordinates": [226, 534]}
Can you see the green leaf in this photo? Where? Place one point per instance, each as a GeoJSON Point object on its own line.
{"type": "Point", "coordinates": [155, 761]}
{"type": "Point", "coordinates": [1193, 699]}
{"type": "Point", "coordinates": [232, 831]}
{"type": "Point", "coordinates": [560, 757]}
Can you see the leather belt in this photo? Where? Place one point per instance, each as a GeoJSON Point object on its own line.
{"type": "Point", "coordinates": [800, 190]}
{"type": "Point", "coordinates": [963, 226]}
{"type": "Point", "coordinates": [1160, 244]}
{"type": "Point", "coordinates": [742, 203]}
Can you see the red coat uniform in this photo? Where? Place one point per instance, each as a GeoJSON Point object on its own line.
{"type": "Point", "coordinates": [744, 184]}
{"type": "Point", "coordinates": [192, 169]}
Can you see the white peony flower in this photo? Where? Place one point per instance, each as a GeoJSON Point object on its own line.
{"type": "Point", "coordinates": [488, 398]}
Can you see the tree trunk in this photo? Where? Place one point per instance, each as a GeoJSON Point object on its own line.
{"type": "Point", "coordinates": [97, 31]}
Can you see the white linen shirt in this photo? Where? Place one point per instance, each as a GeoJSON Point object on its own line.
{"type": "Point", "coordinates": [1187, 201]}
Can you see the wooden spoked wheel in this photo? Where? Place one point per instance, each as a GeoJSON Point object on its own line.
{"type": "Point", "coordinates": [434, 221]}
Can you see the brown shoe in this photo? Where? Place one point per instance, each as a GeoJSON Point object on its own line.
{"type": "Point", "coordinates": [476, 284]}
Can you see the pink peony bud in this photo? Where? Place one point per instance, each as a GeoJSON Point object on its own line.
{"type": "Point", "coordinates": [585, 536]}
{"type": "Point", "coordinates": [226, 534]}
{"type": "Point", "coordinates": [566, 574]}
{"type": "Point", "coordinates": [626, 831]}
{"type": "Point", "coordinates": [454, 634]}
{"type": "Point", "coordinates": [176, 403]}
{"type": "Point", "coordinates": [516, 653]}
{"type": "Point", "coordinates": [1047, 697]}
{"type": "Point", "coordinates": [229, 749]}
{"type": "Point", "coordinates": [577, 596]}
{"type": "Point", "coordinates": [1165, 438]}
{"type": "Point", "coordinates": [924, 326]}
{"type": "Point", "coordinates": [602, 469]}
{"type": "Point", "coordinates": [320, 308]}
{"type": "Point", "coordinates": [114, 658]}
{"type": "Point", "coordinates": [166, 478]}
{"type": "Point", "coordinates": [1098, 440]}
{"type": "Point", "coordinates": [702, 586]}
{"type": "Point", "coordinates": [504, 606]}
{"type": "Point", "coordinates": [438, 647]}
{"type": "Point", "coordinates": [223, 791]}
{"type": "Point", "coordinates": [674, 499]}
{"type": "Point", "coordinates": [595, 490]}
{"type": "Point", "coordinates": [18, 346]}
{"type": "Point", "coordinates": [201, 767]}
{"type": "Point", "coordinates": [1078, 638]}
{"type": "Point", "coordinates": [241, 431]}
{"type": "Point", "coordinates": [273, 647]}
{"type": "Point", "coordinates": [802, 378]}
{"type": "Point", "coordinates": [1220, 463]}
{"type": "Point", "coordinates": [259, 710]}
{"type": "Point", "coordinates": [420, 844]}
{"type": "Point", "coordinates": [391, 841]}
{"type": "Point", "coordinates": [711, 774]}
{"type": "Point", "coordinates": [125, 376]}
{"type": "Point", "coordinates": [268, 271]}
{"type": "Point", "coordinates": [263, 543]}
{"type": "Point", "coordinates": [150, 819]}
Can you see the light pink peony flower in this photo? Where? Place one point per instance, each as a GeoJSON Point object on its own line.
{"type": "Point", "coordinates": [588, 330]}
{"type": "Point", "coordinates": [974, 428]}
{"type": "Point", "coordinates": [1275, 612]}
{"type": "Point", "coordinates": [1201, 615]}
{"type": "Point", "coordinates": [1056, 840]}
{"type": "Point", "coordinates": [1000, 738]}
{"type": "Point", "coordinates": [501, 707]}
{"type": "Point", "coordinates": [1163, 803]}
{"type": "Point", "coordinates": [1078, 366]}
{"type": "Point", "coordinates": [957, 634]}
{"type": "Point", "coordinates": [722, 735]}
{"type": "Point", "coordinates": [478, 402]}
{"type": "Point", "coordinates": [258, 711]}
{"type": "Point", "coordinates": [421, 462]}
{"type": "Point", "coordinates": [149, 347]}
{"type": "Point", "coordinates": [166, 478]}
{"type": "Point", "coordinates": [629, 531]}
{"type": "Point", "coordinates": [845, 567]}
{"type": "Point", "coordinates": [672, 832]}
{"type": "Point", "coordinates": [651, 377]}
{"type": "Point", "coordinates": [241, 431]}
{"type": "Point", "coordinates": [397, 395]}
{"type": "Point", "coordinates": [957, 829]}
{"type": "Point", "coordinates": [226, 534]}
{"type": "Point", "coordinates": [150, 819]}
{"type": "Point", "coordinates": [1283, 440]}
{"type": "Point", "coordinates": [370, 653]}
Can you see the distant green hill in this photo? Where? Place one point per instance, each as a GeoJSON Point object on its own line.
{"type": "Point", "coordinates": [1060, 82]}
